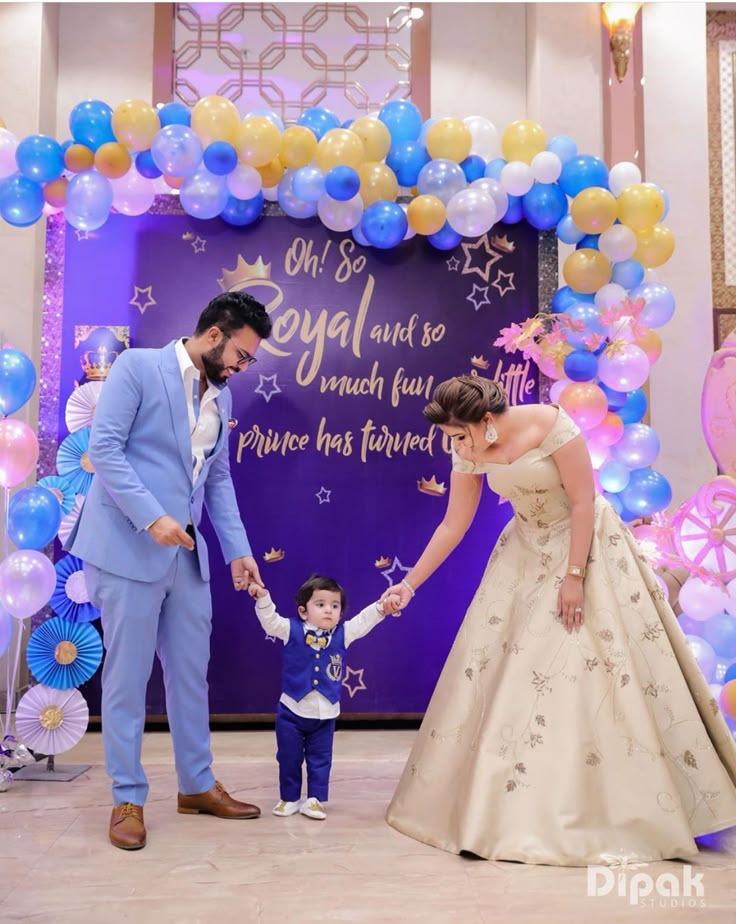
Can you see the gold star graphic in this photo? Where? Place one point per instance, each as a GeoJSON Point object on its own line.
{"type": "Point", "coordinates": [504, 283]}
{"type": "Point", "coordinates": [358, 683]}
{"type": "Point", "coordinates": [480, 247]}
{"type": "Point", "coordinates": [138, 295]}
{"type": "Point", "coordinates": [199, 244]}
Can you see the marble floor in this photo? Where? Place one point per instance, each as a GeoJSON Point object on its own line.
{"type": "Point", "coordinates": [56, 864]}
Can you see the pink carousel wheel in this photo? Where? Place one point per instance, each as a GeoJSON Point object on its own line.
{"type": "Point", "coordinates": [705, 528]}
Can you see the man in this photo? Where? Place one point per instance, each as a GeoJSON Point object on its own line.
{"type": "Point", "coordinates": [159, 446]}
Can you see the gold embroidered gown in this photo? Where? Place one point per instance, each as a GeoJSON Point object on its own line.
{"type": "Point", "coordinates": [597, 747]}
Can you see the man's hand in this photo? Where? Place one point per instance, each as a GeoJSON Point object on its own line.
{"type": "Point", "coordinates": [167, 531]}
{"type": "Point", "coordinates": [255, 590]}
{"type": "Point", "coordinates": [245, 572]}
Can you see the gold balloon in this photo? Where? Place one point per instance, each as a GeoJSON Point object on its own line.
{"type": "Point", "coordinates": [135, 123]}
{"type": "Point", "coordinates": [426, 214]}
{"type": "Point", "coordinates": [298, 147]}
{"type": "Point", "coordinates": [339, 147]}
{"type": "Point", "coordinates": [586, 270]}
{"type": "Point", "coordinates": [271, 173]}
{"type": "Point", "coordinates": [449, 139]}
{"type": "Point", "coordinates": [375, 136]}
{"type": "Point", "coordinates": [523, 140]}
{"type": "Point", "coordinates": [54, 192]}
{"type": "Point", "coordinates": [654, 246]}
{"type": "Point", "coordinates": [259, 141]}
{"type": "Point", "coordinates": [640, 206]}
{"type": "Point", "coordinates": [78, 158]}
{"type": "Point", "coordinates": [3, 123]}
{"type": "Point", "coordinates": [377, 183]}
{"type": "Point", "coordinates": [215, 118]}
{"type": "Point", "coordinates": [594, 210]}
{"type": "Point", "coordinates": [112, 160]}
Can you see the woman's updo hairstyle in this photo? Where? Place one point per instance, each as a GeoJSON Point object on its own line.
{"type": "Point", "coordinates": [465, 400]}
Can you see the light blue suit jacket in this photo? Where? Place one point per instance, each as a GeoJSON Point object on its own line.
{"type": "Point", "coordinates": [141, 450]}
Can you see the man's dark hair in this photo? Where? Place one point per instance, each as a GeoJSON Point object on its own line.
{"type": "Point", "coordinates": [233, 311]}
{"type": "Point", "coordinates": [319, 582]}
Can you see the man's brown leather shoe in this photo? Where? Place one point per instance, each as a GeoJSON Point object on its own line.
{"type": "Point", "coordinates": [127, 830]}
{"type": "Point", "coordinates": [216, 802]}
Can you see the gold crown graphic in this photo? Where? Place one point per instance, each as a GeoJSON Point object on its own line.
{"type": "Point", "coordinates": [480, 361]}
{"type": "Point", "coordinates": [243, 271]}
{"type": "Point", "coordinates": [503, 243]}
{"type": "Point", "coordinates": [96, 364]}
{"type": "Point", "coordinates": [383, 563]}
{"type": "Point", "coordinates": [432, 487]}
{"type": "Point", "coordinates": [188, 236]}
{"type": "Point", "coordinates": [274, 555]}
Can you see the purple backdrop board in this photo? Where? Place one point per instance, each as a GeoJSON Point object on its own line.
{"type": "Point", "coordinates": [335, 469]}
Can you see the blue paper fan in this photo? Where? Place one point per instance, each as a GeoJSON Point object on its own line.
{"type": "Point", "coordinates": [61, 489]}
{"type": "Point", "coordinates": [70, 599]}
{"type": "Point", "coordinates": [73, 462]}
{"type": "Point", "coordinates": [63, 654]}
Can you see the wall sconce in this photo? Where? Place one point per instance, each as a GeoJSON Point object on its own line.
{"type": "Point", "coordinates": [620, 19]}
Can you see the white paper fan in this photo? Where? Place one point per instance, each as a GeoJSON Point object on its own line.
{"type": "Point", "coordinates": [67, 522]}
{"type": "Point", "coordinates": [81, 406]}
{"type": "Point", "coordinates": [51, 721]}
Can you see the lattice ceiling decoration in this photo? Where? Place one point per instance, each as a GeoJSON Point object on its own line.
{"type": "Point", "coordinates": [291, 56]}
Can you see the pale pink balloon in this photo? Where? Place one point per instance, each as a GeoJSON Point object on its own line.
{"type": "Point", "coordinates": [27, 580]}
{"type": "Point", "coordinates": [624, 368]}
{"type": "Point", "coordinates": [586, 403]}
{"type": "Point", "coordinates": [18, 452]}
{"type": "Point", "coordinates": [609, 430]}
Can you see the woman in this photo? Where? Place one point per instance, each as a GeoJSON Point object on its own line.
{"type": "Point", "coordinates": [570, 724]}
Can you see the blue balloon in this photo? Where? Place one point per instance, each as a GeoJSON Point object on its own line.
{"type": "Point", "coordinates": [342, 183]}
{"type": "Point", "coordinates": [474, 167]}
{"type": "Point", "coordinates": [308, 184]}
{"type": "Point", "coordinates": [666, 200]}
{"type": "Point", "coordinates": [145, 165]}
{"type": "Point", "coordinates": [568, 232]}
{"type": "Point", "coordinates": [646, 493]}
{"type": "Point", "coordinates": [616, 399]}
{"type": "Point", "coordinates": [347, 123]}
{"type": "Point", "coordinates": [290, 202]}
{"type": "Point", "coordinates": [17, 380]}
{"type": "Point", "coordinates": [318, 120]}
{"type": "Point", "coordinates": [564, 147]}
{"type": "Point", "coordinates": [590, 241]}
{"type": "Point", "coordinates": [40, 158]}
{"type": "Point", "coordinates": [587, 312]}
{"type": "Point", "coordinates": [360, 237]}
{"type": "Point", "coordinates": [494, 168]}
{"type": "Point", "coordinates": [628, 515]}
{"type": "Point", "coordinates": [544, 206]}
{"type": "Point", "coordinates": [729, 675]}
{"type": "Point", "coordinates": [384, 224]}
{"type": "Point", "coordinates": [21, 201]}
{"type": "Point", "coordinates": [445, 239]}
{"type": "Point", "coordinates": [581, 366]}
{"type": "Point", "coordinates": [425, 128]}
{"type": "Point", "coordinates": [6, 631]}
{"type": "Point", "coordinates": [634, 408]}
{"type": "Point", "coordinates": [628, 273]}
{"type": "Point", "coordinates": [241, 212]}
{"type": "Point", "coordinates": [515, 211]}
{"type": "Point", "coordinates": [638, 447]}
{"type": "Point", "coordinates": [34, 517]}
{"type": "Point", "coordinates": [220, 158]}
{"type": "Point", "coordinates": [565, 297]}
{"type": "Point", "coordinates": [406, 159]}
{"type": "Point", "coordinates": [177, 150]}
{"type": "Point", "coordinates": [583, 171]}
{"type": "Point", "coordinates": [660, 303]}
{"type": "Point", "coordinates": [402, 118]}
{"type": "Point", "coordinates": [174, 114]}
{"type": "Point", "coordinates": [90, 123]}
{"type": "Point", "coordinates": [614, 477]}
{"type": "Point", "coordinates": [720, 633]}
{"type": "Point", "coordinates": [615, 501]}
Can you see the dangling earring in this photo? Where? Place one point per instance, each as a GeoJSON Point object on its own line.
{"type": "Point", "coordinates": [491, 433]}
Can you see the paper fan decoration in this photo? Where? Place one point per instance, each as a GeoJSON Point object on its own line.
{"type": "Point", "coordinates": [51, 721]}
{"type": "Point", "coordinates": [81, 406]}
{"type": "Point", "coordinates": [64, 654]}
{"type": "Point", "coordinates": [61, 489]}
{"type": "Point", "coordinates": [73, 461]}
{"type": "Point", "coordinates": [71, 600]}
{"type": "Point", "coordinates": [68, 522]}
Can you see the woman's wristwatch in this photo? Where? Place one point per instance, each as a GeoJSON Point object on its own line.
{"type": "Point", "coordinates": [576, 571]}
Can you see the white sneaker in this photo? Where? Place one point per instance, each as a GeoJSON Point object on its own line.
{"type": "Point", "coordinates": [284, 809]}
{"type": "Point", "coordinates": [313, 808]}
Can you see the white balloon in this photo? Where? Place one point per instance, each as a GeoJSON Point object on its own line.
{"type": "Point", "coordinates": [731, 602]}
{"type": "Point", "coordinates": [493, 189]}
{"type": "Point", "coordinates": [340, 216]}
{"type": "Point", "coordinates": [133, 194]}
{"type": "Point", "coordinates": [618, 243]}
{"type": "Point", "coordinates": [623, 175]}
{"type": "Point", "coordinates": [517, 178]}
{"type": "Point", "coordinates": [557, 388]}
{"type": "Point", "coordinates": [485, 141]}
{"type": "Point", "coordinates": [609, 296]}
{"type": "Point", "coordinates": [702, 600]}
{"type": "Point", "coordinates": [410, 232]}
{"type": "Point", "coordinates": [271, 193]}
{"type": "Point", "coordinates": [546, 167]}
{"type": "Point", "coordinates": [471, 212]}
{"type": "Point", "coordinates": [8, 147]}
{"type": "Point", "coordinates": [244, 182]}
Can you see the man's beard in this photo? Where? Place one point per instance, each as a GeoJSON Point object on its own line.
{"type": "Point", "coordinates": [213, 367]}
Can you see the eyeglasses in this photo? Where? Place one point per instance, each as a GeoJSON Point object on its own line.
{"type": "Point", "coordinates": [244, 357]}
